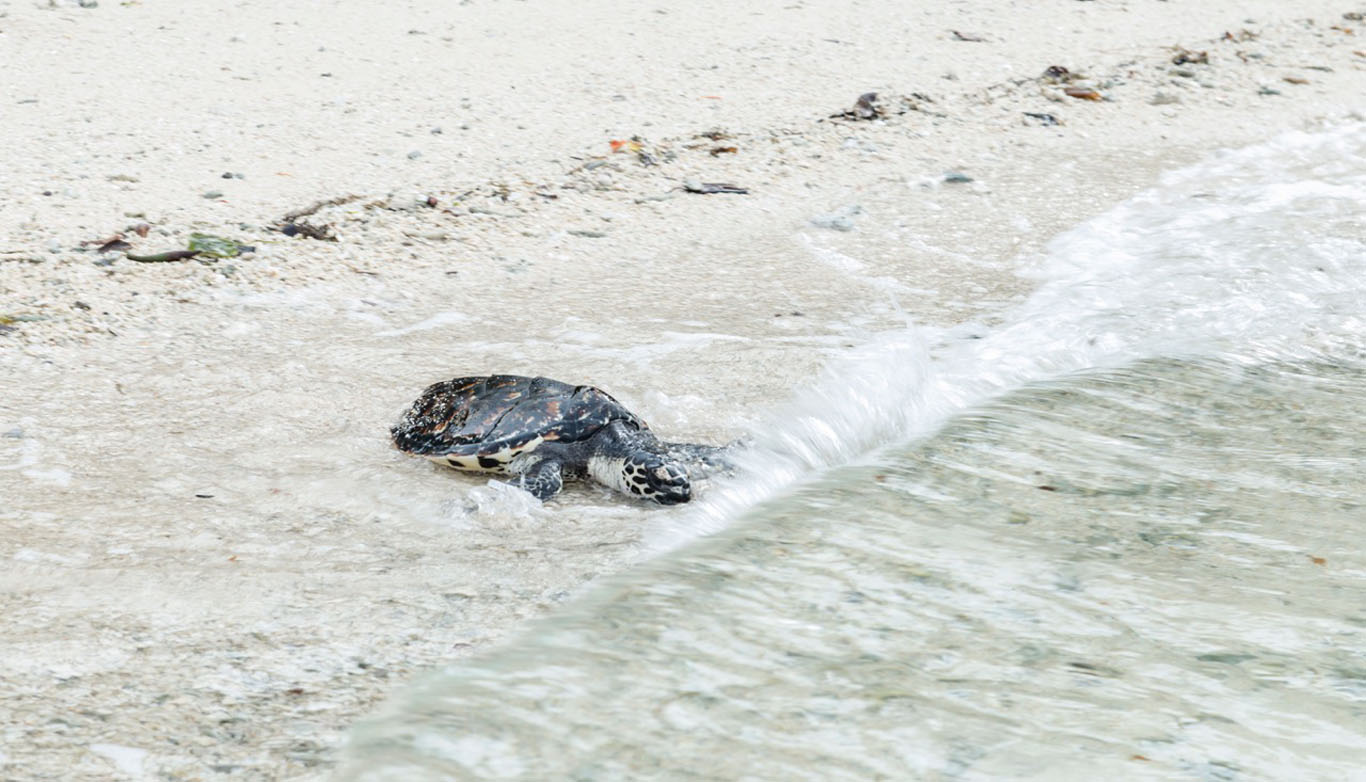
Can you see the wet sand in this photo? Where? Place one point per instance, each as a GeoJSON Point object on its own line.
{"type": "Point", "coordinates": [216, 562]}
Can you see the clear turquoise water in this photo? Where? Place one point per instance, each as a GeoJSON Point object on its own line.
{"type": "Point", "coordinates": [1117, 536]}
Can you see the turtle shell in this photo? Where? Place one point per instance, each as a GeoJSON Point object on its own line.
{"type": "Point", "coordinates": [482, 423]}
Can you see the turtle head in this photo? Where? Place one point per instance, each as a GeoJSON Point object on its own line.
{"type": "Point", "coordinates": [656, 477]}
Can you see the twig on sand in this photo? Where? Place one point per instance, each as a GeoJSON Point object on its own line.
{"type": "Point", "coordinates": [311, 208]}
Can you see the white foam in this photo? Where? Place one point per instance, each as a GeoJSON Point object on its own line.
{"type": "Point", "coordinates": [491, 756]}
{"type": "Point", "coordinates": [497, 505]}
{"type": "Point", "coordinates": [33, 555]}
{"type": "Point", "coordinates": [852, 267]}
{"type": "Point", "coordinates": [1239, 267]}
{"type": "Point", "coordinates": [55, 476]}
{"type": "Point", "coordinates": [436, 321]}
{"type": "Point", "coordinates": [129, 760]}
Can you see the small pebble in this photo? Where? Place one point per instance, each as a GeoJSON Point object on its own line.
{"type": "Point", "coordinates": [212, 194]}
{"type": "Point", "coordinates": [956, 178]}
{"type": "Point", "coordinates": [1039, 118]}
{"type": "Point", "coordinates": [414, 155]}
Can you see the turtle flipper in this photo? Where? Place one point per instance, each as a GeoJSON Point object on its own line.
{"type": "Point", "coordinates": [543, 479]}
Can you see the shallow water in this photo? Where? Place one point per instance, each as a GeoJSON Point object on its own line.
{"type": "Point", "coordinates": [1117, 534]}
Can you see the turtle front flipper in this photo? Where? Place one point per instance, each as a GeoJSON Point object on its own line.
{"type": "Point", "coordinates": [543, 477]}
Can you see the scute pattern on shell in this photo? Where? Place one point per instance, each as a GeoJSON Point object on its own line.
{"type": "Point", "coordinates": [500, 416]}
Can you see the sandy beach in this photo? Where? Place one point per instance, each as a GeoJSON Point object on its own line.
{"type": "Point", "coordinates": [214, 561]}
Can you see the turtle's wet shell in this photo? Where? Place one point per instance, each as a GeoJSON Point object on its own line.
{"type": "Point", "coordinates": [482, 423]}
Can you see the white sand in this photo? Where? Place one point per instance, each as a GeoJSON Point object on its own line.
{"type": "Point", "coordinates": [238, 634]}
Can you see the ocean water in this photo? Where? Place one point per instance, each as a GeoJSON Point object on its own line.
{"type": "Point", "coordinates": [1118, 535]}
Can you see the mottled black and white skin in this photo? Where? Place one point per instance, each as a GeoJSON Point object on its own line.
{"type": "Point", "coordinates": [544, 432]}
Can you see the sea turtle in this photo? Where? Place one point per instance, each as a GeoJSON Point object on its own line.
{"type": "Point", "coordinates": [544, 432]}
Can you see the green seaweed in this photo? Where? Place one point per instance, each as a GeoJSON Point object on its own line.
{"type": "Point", "coordinates": [214, 246]}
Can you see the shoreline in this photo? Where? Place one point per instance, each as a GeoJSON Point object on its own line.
{"type": "Point", "coordinates": [574, 197]}
{"type": "Point", "coordinates": [239, 634]}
